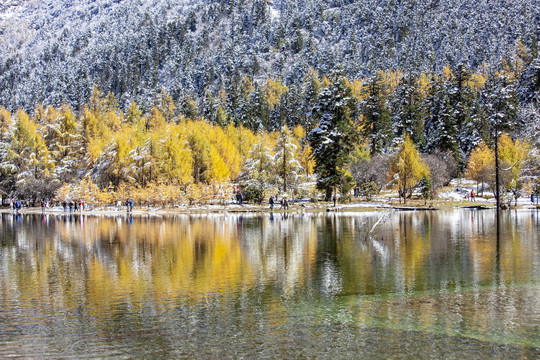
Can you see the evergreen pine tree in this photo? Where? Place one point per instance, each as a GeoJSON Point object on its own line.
{"type": "Point", "coordinates": [376, 116]}
{"type": "Point", "coordinates": [335, 136]}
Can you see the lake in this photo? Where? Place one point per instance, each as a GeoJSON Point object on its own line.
{"type": "Point", "coordinates": [438, 284]}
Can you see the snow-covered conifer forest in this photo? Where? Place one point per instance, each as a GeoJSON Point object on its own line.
{"type": "Point", "coordinates": [152, 94]}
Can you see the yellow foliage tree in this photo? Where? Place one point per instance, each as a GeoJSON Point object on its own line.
{"type": "Point", "coordinates": [423, 86]}
{"type": "Point", "coordinates": [224, 146]}
{"type": "Point", "coordinates": [243, 140]}
{"type": "Point", "coordinates": [408, 168]}
{"type": "Point", "coordinates": [447, 73]}
{"type": "Point", "coordinates": [512, 156]}
{"type": "Point", "coordinates": [274, 89]}
{"type": "Point", "coordinates": [165, 105]}
{"type": "Point", "coordinates": [174, 156]}
{"type": "Point", "coordinates": [85, 190]}
{"type": "Point", "coordinates": [358, 88]}
{"type": "Point", "coordinates": [219, 171]}
{"type": "Point", "coordinates": [155, 119]}
{"type": "Point", "coordinates": [481, 165]}
{"type": "Point", "coordinates": [247, 86]}
{"type": "Point", "coordinates": [391, 79]}
{"type": "Point", "coordinates": [5, 123]}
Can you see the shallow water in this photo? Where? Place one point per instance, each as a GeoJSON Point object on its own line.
{"type": "Point", "coordinates": [442, 284]}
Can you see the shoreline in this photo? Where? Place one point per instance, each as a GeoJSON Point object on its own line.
{"type": "Point", "coordinates": [253, 208]}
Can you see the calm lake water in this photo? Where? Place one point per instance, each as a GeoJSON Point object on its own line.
{"type": "Point", "coordinates": [377, 285]}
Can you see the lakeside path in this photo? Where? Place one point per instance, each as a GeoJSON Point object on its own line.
{"type": "Point", "coordinates": [263, 208]}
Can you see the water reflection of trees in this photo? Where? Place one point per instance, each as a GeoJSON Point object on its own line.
{"type": "Point", "coordinates": [111, 259]}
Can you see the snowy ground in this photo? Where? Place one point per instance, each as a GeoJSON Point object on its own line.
{"type": "Point", "coordinates": [453, 195]}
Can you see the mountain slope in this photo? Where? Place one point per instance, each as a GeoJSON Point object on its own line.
{"type": "Point", "coordinates": [54, 51]}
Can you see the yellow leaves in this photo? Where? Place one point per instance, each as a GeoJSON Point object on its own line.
{"type": "Point", "coordinates": [85, 190]}
{"type": "Point", "coordinates": [242, 138]}
{"type": "Point", "coordinates": [507, 71]}
{"type": "Point", "coordinates": [447, 73]}
{"type": "Point", "coordinates": [25, 130]}
{"type": "Point", "coordinates": [95, 147]}
{"type": "Point", "coordinates": [145, 150]}
{"type": "Point", "coordinates": [274, 89]}
{"type": "Point", "coordinates": [512, 154]}
{"type": "Point", "coordinates": [391, 79]}
{"type": "Point", "coordinates": [133, 115]}
{"type": "Point", "coordinates": [424, 85]}
{"type": "Point", "coordinates": [299, 132]}
{"type": "Point", "coordinates": [325, 82]}
{"type": "Point", "coordinates": [156, 193]}
{"type": "Point", "coordinates": [218, 170]}
{"type": "Point", "coordinates": [166, 106]}
{"type": "Point", "coordinates": [224, 145]}
{"type": "Point", "coordinates": [358, 88]}
{"type": "Point", "coordinates": [408, 166]}
{"type": "Point", "coordinates": [155, 119]}
{"type": "Point", "coordinates": [247, 86]}
{"type": "Point", "coordinates": [481, 163]}
{"type": "Point", "coordinates": [45, 116]}
{"type": "Point", "coordinates": [5, 119]}
{"type": "Point", "coordinates": [113, 120]}
{"type": "Point", "coordinates": [175, 156]}
{"type": "Point", "coordinates": [476, 82]}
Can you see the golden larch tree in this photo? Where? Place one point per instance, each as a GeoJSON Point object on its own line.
{"type": "Point", "coordinates": [408, 168]}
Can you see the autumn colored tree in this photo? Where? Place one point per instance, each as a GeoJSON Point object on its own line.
{"type": "Point", "coordinates": [133, 114]}
{"type": "Point", "coordinates": [408, 168]}
{"type": "Point", "coordinates": [512, 156]}
{"type": "Point", "coordinates": [64, 141]}
{"type": "Point", "coordinates": [305, 154]}
{"type": "Point", "coordinates": [28, 161]}
{"type": "Point", "coordinates": [274, 89]}
{"type": "Point", "coordinates": [174, 157]}
{"type": "Point", "coordinates": [481, 165]}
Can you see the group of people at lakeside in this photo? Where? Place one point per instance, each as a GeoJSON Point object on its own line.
{"type": "Point", "coordinates": [128, 203]}
{"type": "Point", "coordinates": [272, 201]}
{"type": "Point", "coordinates": [72, 206]}
{"type": "Point", "coordinates": [79, 206]}
{"type": "Point", "coordinates": [18, 205]}
{"type": "Point", "coordinates": [284, 203]}
{"type": "Point", "coordinates": [471, 196]}
{"type": "Point", "coordinates": [67, 205]}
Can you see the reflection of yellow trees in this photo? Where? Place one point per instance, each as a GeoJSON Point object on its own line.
{"type": "Point", "coordinates": [516, 250]}
{"type": "Point", "coordinates": [415, 247]}
{"type": "Point", "coordinates": [483, 252]}
{"type": "Point", "coordinates": [171, 259]}
{"type": "Point", "coordinates": [187, 259]}
{"type": "Point", "coordinates": [482, 247]}
{"type": "Point", "coordinates": [111, 263]}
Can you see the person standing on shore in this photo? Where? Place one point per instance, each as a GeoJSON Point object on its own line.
{"type": "Point", "coordinates": [271, 201]}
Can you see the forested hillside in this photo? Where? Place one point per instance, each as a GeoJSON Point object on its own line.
{"type": "Point", "coordinates": [55, 51]}
{"type": "Point", "coordinates": [175, 101]}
